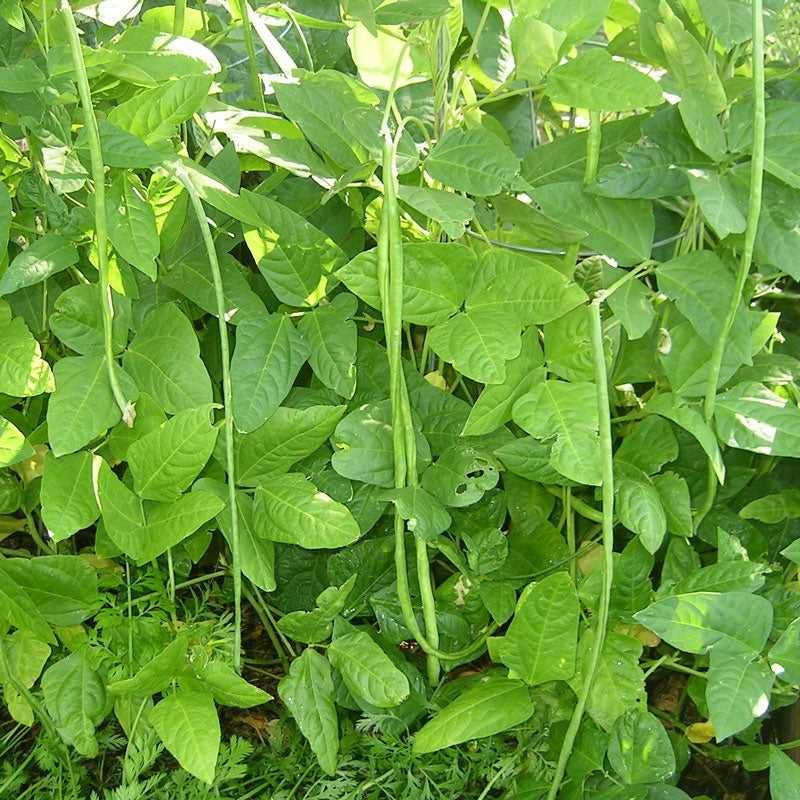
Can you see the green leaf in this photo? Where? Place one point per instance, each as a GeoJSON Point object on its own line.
{"type": "Point", "coordinates": [735, 622]}
{"type": "Point", "coordinates": [460, 476]}
{"type": "Point", "coordinates": [14, 447]}
{"type": "Point", "coordinates": [731, 21]}
{"type": "Point", "coordinates": [647, 447]}
{"type": "Point", "coordinates": [541, 641]}
{"type": "Point", "coordinates": [673, 491]}
{"type": "Point", "coordinates": [568, 411]}
{"type": "Point", "coordinates": [228, 688]}
{"type": "Point", "coordinates": [726, 576]}
{"type": "Point", "coordinates": [307, 692]}
{"type": "Point", "coordinates": [773, 508]}
{"type": "Point", "coordinates": [631, 589]}
{"type": "Point", "coordinates": [567, 346]}
{"type": "Point", "coordinates": [425, 515]}
{"type": "Point", "coordinates": [294, 257]}
{"type": "Point", "coordinates": [399, 13]}
{"type": "Point", "coordinates": [120, 148]}
{"type": "Point", "coordinates": [452, 211]}
{"type": "Point", "coordinates": [473, 161]}
{"type": "Point", "coordinates": [640, 750]}
{"type": "Point", "coordinates": [492, 706]}
{"type": "Point", "coordinates": [82, 407]}
{"type": "Point", "coordinates": [78, 320]}
{"type": "Point", "coordinates": [530, 459]}
{"type": "Point", "coordinates": [478, 343]}
{"type": "Point", "coordinates": [620, 228]}
{"type": "Point", "coordinates": [751, 417]}
{"type": "Point", "coordinates": [18, 609]}
{"type": "Point", "coordinates": [595, 81]}
{"type": "Point", "coordinates": [269, 353]}
{"type": "Point", "coordinates": [702, 124]}
{"type": "Point", "coordinates": [630, 303]}
{"type": "Point", "coordinates": [532, 291]}
{"type": "Point", "coordinates": [46, 256]}
{"type": "Point", "coordinates": [737, 691]}
{"type": "Point", "coordinates": [23, 371]}
{"type": "Point", "coordinates": [784, 656]}
{"type": "Point", "coordinates": [26, 658]}
{"type": "Point", "coordinates": [157, 674]}
{"type": "Point", "coordinates": [493, 407]}
{"type": "Point", "coordinates": [332, 336]}
{"type": "Point", "coordinates": [75, 697]}
{"type": "Point", "coordinates": [436, 277]}
{"type": "Point", "coordinates": [165, 461]}
{"type": "Point", "coordinates": [187, 723]}
{"type": "Point", "coordinates": [22, 77]}
{"type": "Point", "coordinates": [367, 671]}
{"type": "Point", "coordinates": [153, 114]}
{"type": "Point", "coordinates": [132, 223]}
{"type": "Point", "coordinates": [784, 776]}
{"type": "Point", "coordinates": [164, 360]}
{"type": "Point", "coordinates": [287, 437]}
{"type": "Point", "coordinates": [716, 198]}
{"type": "Point", "coordinates": [63, 588]}
{"type": "Point", "coordinates": [640, 511]}
{"type": "Point", "coordinates": [535, 46]}
{"type": "Point", "coordinates": [292, 510]}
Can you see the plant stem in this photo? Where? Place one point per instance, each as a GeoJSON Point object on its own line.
{"type": "Point", "coordinates": [592, 147]}
{"type": "Point", "coordinates": [98, 177]}
{"type": "Point", "coordinates": [178, 17]}
{"type": "Point", "coordinates": [473, 48]}
{"type": "Point", "coordinates": [601, 382]}
{"type": "Point", "coordinates": [227, 395]}
{"type": "Point", "coordinates": [753, 215]}
{"type": "Point", "coordinates": [255, 79]}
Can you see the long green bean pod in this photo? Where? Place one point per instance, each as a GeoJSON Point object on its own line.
{"type": "Point", "coordinates": [100, 226]}
{"type": "Point", "coordinates": [746, 257]}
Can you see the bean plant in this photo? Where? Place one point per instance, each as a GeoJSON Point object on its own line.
{"type": "Point", "coordinates": [449, 348]}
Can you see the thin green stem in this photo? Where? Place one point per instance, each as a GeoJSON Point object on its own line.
{"type": "Point", "coordinates": [101, 234]}
{"type": "Point", "coordinates": [570, 519]}
{"type": "Point", "coordinates": [268, 627]}
{"type": "Point", "coordinates": [753, 215]}
{"type": "Point", "coordinates": [255, 79]}
{"type": "Point", "coordinates": [603, 412]}
{"type": "Point", "coordinates": [473, 48]}
{"type": "Point", "coordinates": [178, 17]}
{"type": "Point", "coordinates": [227, 395]}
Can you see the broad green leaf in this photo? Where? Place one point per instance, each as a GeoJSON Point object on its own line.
{"type": "Point", "coordinates": [688, 63]}
{"type": "Point", "coordinates": [784, 656]}
{"type": "Point", "coordinates": [268, 355]}
{"type": "Point", "coordinates": [535, 45]}
{"type": "Point", "coordinates": [23, 371]}
{"type": "Point", "coordinates": [541, 641]}
{"type": "Point", "coordinates": [164, 360]}
{"type": "Point", "coordinates": [579, 21]}
{"type": "Point", "coordinates": [473, 161]}
{"type": "Point", "coordinates": [452, 211]}
{"type": "Point", "coordinates": [493, 407]}
{"type": "Point", "coordinates": [316, 625]}
{"type": "Point", "coordinates": [647, 447]}
{"type": "Point", "coordinates": [478, 343]}
{"type": "Point", "coordinates": [332, 336]}
{"type": "Point", "coordinates": [26, 658]}
{"type": "Point", "coordinates": [364, 451]}
{"type": "Point", "coordinates": [294, 257]}
{"type": "Point", "coordinates": [640, 510]}
{"type": "Point", "coordinates": [367, 671]}
{"type": "Point", "coordinates": [669, 405]}
{"type": "Point", "coordinates": [620, 228]}
{"type": "Point", "coordinates": [752, 417]}
{"type": "Point", "coordinates": [157, 674]}
{"type": "Point", "coordinates": [398, 13]}
{"type": "Point", "coordinates": [530, 459]}
{"type": "Point", "coordinates": [717, 201]}
{"type": "Point", "coordinates": [149, 417]}
{"type": "Point", "coordinates": [595, 81]}
{"type": "Point", "coordinates": [78, 320]}
{"type": "Point", "coordinates": [631, 588]}
{"type": "Point", "coordinates": [120, 148]}
{"type": "Point", "coordinates": [165, 461]}
{"type": "Point", "coordinates": [288, 508]}
{"type": "Point", "coordinates": [381, 57]}
{"type": "Point", "coordinates": [63, 588]}
{"type": "Point", "coordinates": [153, 114]}
{"type": "Point", "coordinates": [460, 476]}
{"type": "Point", "coordinates": [725, 576]}
{"type": "Point", "coordinates": [14, 447]}
{"type": "Point", "coordinates": [75, 697]}
{"type": "Point", "coordinates": [630, 303]}
{"type": "Point", "coordinates": [307, 692]}
{"type": "Point", "coordinates": [435, 280]}
{"type": "Point", "coordinates": [568, 348]}
{"type": "Point", "coordinates": [731, 21]}
{"type": "Point", "coordinates": [132, 223]}
{"type": "Point", "coordinates": [82, 407]}
{"type": "Point", "coordinates": [228, 688]}
{"type": "Point", "coordinates": [22, 77]}
{"type": "Point", "coordinates": [151, 57]}
{"type": "Point", "coordinates": [640, 750]}
{"type": "Point", "coordinates": [19, 610]}
{"type": "Point", "coordinates": [492, 706]}
{"type": "Point", "coordinates": [773, 508]}
{"type": "Point", "coordinates": [737, 691]}
{"type": "Point", "coordinates": [735, 622]}
{"type": "Point", "coordinates": [568, 411]}
{"type": "Point", "coordinates": [187, 723]}
{"type": "Point", "coordinates": [532, 291]}
{"type": "Point", "coordinates": [425, 516]}
{"type": "Point", "coordinates": [784, 776]}
{"type": "Point", "coordinates": [46, 256]}
{"type": "Point", "coordinates": [673, 491]}
{"type": "Point", "coordinates": [287, 437]}
{"type": "Point", "coordinates": [144, 532]}
{"type": "Point", "coordinates": [702, 124]}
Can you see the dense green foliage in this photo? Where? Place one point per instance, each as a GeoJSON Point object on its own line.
{"type": "Point", "coordinates": [413, 382]}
